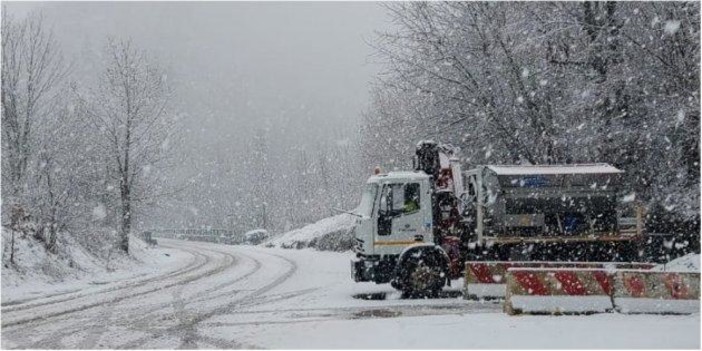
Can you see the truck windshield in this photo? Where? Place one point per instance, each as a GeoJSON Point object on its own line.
{"type": "Point", "coordinates": [367, 200]}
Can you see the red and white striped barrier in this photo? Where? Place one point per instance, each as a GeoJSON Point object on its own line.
{"type": "Point", "coordinates": [582, 290]}
{"type": "Point", "coordinates": [488, 279]}
{"type": "Point", "coordinates": [558, 290]}
{"type": "Point", "coordinates": [656, 292]}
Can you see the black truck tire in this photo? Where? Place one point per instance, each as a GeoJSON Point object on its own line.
{"type": "Point", "coordinates": [421, 273]}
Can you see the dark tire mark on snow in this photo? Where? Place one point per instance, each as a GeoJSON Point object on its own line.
{"type": "Point", "coordinates": [257, 267]}
{"type": "Point", "coordinates": [144, 316]}
{"type": "Point", "coordinates": [253, 298]}
{"type": "Point", "coordinates": [360, 312]}
{"type": "Point", "coordinates": [226, 344]}
{"type": "Point", "coordinates": [92, 304]}
{"type": "Point", "coordinates": [54, 338]}
{"type": "Point", "coordinates": [95, 325]}
{"type": "Point", "coordinates": [189, 329]}
{"type": "Point", "coordinates": [27, 300]}
{"type": "Point", "coordinates": [190, 267]}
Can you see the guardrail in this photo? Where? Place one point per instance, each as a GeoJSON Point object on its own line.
{"type": "Point", "coordinates": [221, 236]}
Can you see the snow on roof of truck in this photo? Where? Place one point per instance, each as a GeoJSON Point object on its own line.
{"type": "Point", "coordinates": [590, 168]}
{"type": "Point", "coordinates": [399, 175]}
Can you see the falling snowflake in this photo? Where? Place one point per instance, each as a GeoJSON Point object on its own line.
{"type": "Point", "coordinates": [679, 118]}
{"type": "Point", "coordinates": [671, 27]}
{"type": "Point", "coordinates": [99, 212]}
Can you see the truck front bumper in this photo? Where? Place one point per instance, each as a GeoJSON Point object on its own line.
{"type": "Point", "coordinates": [374, 269]}
{"type": "Point", "coordinates": [357, 269]}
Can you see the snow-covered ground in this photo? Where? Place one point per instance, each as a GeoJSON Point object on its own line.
{"type": "Point", "coordinates": [254, 297]}
{"type": "Point", "coordinates": [38, 273]}
{"type": "Point", "coordinates": [328, 234]}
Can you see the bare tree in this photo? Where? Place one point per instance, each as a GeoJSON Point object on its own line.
{"type": "Point", "coordinates": [32, 69]}
{"type": "Point", "coordinates": [61, 175]}
{"type": "Point", "coordinates": [129, 112]}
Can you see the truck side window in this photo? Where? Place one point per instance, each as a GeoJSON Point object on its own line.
{"type": "Point", "coordinates": [411, 197]}
{"type": "Point", "coordinates": [400, 198]}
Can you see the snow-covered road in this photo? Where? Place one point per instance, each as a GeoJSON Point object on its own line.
{"type": "Point", "coordinates": [217, 296]}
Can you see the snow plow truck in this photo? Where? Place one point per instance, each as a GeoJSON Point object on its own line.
{"type": "Point", "coordinates": [415, 229]}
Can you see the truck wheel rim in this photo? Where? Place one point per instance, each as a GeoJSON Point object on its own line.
{"type": "Point", "coordinates": [424, 277]}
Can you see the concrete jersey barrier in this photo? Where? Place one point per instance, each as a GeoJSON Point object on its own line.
{"type": "Point", "coordinates": [579, 290]}
{"type": "Point", "coordinates": [656, 292]}
{"type": "Point", "coordinates": [558, 290]}
{"type": "Point", "coordinates": [486, 279]}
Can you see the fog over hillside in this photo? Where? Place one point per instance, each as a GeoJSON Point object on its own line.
{"type": "Point", "coordinates": [296, 75]}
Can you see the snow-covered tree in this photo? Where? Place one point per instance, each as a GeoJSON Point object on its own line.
{"type": "Point", "coordinates": [547, 82]}
{"type": "Point", "coordinates": [129, 111]}
{"type": "Point", "coordinates": [32, 71]}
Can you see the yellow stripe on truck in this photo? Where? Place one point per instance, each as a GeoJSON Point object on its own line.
{"type": "Point", "coordinates": [395, 242]}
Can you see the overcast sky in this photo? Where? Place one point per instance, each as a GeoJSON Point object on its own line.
{"type": "Point", "coordinates": [233, 64]}
{"type": "Point", "coordinates": [299, 70]}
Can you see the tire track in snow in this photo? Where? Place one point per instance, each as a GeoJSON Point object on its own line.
{"type": "Point", "coordinates": [54, 338]}
{"type": "Point", "coordinates": [361, 312]}
{"type": "Point", "coordinates": [25, 304]}
{"type": "Point", "coordinates": [178, 304]}
{"type": "Point", "coordinates": [143, 319]}
{"type": "Point", "coordinates": [189, 338]}
{"type": "Point", "coordinates": [86, 306]}
{"type": "Point", "coordinates": [247, 300]}
{"type": "Point", "coordinates": [229, 261]}
{"type": "Point", "coordinates": [199, 260]}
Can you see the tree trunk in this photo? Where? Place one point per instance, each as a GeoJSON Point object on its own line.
{"type": "Point", "coordinates": [12, 246]}
{"type": "Point", "coordinates": [51, 241]}
{"type": "Point", "coordinates": [126, 217]}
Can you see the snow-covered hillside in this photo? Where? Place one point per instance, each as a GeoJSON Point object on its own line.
{"type": "Point", "coordinates": [329, 234]}
{"type": "Point", "coordinates": [37, 272]}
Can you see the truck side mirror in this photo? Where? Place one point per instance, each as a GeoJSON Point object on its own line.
{"type": "Point", "coordinates": [385, 204]}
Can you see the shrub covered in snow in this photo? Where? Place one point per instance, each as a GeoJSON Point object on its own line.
{"type": "Point", "coordinates": [255, 236]}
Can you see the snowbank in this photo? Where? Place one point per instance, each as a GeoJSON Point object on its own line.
{"type": "Point", "coordinates": [687, 263]}
{"type": "Point", "coordinates": [37, 272]}
{"type": "Point", "coordinates": [329, 234]}
{"type": "Point", "coordinates": [34, 263]}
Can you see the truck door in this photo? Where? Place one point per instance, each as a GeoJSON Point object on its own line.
{"type": "Point", "coordinates": [400, 217]}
